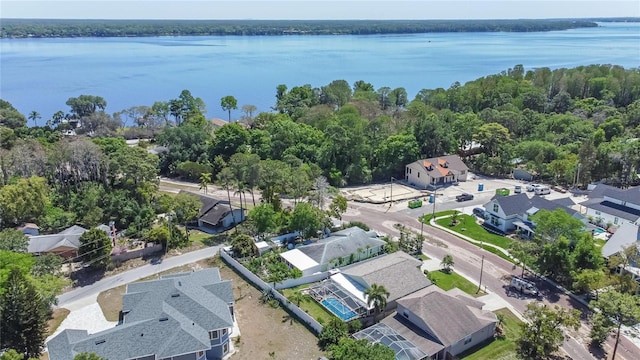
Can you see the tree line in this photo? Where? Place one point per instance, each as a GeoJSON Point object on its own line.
{"type": "Point", "coordinates": [22, 28]}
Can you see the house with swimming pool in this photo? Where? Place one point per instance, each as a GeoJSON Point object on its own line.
{"type": "Point", "coordinates": [433, 324]}
{"type": "Point", "coordinates": [343, 293]}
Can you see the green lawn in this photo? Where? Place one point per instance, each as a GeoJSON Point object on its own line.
{"type": "Point", "coordinates": [600, 242]}
{"type": "Point", "coordinates": [452, 280]}
{"type": "Point", "coordinates": [427, 217]}
{"type": "Point", "coordinates": [501, 348]}
{"type": "Point", "coordinates": [467, 226]}
{"type": "Point", "coordinates": [310, 306]}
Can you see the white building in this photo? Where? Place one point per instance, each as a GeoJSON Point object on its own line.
{"type": "Point", "coordinates": [608, 205]}
{"type": "Point", "coordinates": [436, 172]}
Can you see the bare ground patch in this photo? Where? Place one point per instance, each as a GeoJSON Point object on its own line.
{"type": "Point", "coordinates": [266, 332]}
{"type": "Point", "coordinates": [57, 317]}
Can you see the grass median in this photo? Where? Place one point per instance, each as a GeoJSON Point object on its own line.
{"type": "Point", "coordinates": [466, 225]}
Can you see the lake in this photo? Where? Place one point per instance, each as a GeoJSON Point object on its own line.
{"type": "Point", "coordinates": [41, 74]}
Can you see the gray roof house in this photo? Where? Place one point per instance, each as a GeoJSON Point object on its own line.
{"type": "Point", "coordinates": [626, 236]}
{"type": "Point", "coordinates": [341, 248]}
{"type": "Point", "coordinates": [436, 172]}
{"type": "Point", "coordinates": [399, 273]}
{"type": "Point", "coordinates": [180, 316]}
{"type": "Point", "coordinates": [65, 243]}
{"type": "Point", "coordinates": [610, 205]}
{"type": "Point", "coordinates": [216, 213]}
{"type": "Point", "coordinates": [433, 324]}
{"type": "Point", "coordinates": [508, 213]}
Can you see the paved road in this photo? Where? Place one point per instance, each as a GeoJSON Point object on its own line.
{"type": "Point", "coordinates": [468, 258]}
{"type": "Point", "coordinates": [68, 299]}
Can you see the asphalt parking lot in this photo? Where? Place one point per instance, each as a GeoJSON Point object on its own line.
{"type": "Point", "coordinates": [446, 196]}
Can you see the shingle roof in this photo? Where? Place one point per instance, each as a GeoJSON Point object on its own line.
{"type": "Point", "coordinates": [514, 204]}
{"type": "Point", "coordinates": [452, 162]}
{"type": "Point", "coordinates": [519, 203]}
{"type": "Point", "coordinates": [213, 210]}
{"type": "Point", "coordinates": [167, 317]}
{"type": "Point", "coordinates": [626, 235]}
{"type": "Point", "coordinates": [631, 195]}
{"type": "Point", "coordinates": [398, 272]}
{"type": "Point", "coordinates": [449, 318]}
{"type": "Point", "coordinates": [67, 239]}
{"type": "Point", "coordinates": [341, 243]}
{"type": "Point", "coordinates": [611, 208]}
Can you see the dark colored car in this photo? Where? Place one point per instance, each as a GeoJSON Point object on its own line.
{"type": "Point", "coordinates": [464, 197]}
{"type": "Point", "coordinates": [479, 212]}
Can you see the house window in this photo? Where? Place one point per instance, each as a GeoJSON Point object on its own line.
{"type": "Point", "coordinates": [200, 354]}
{"type": "Point", "coordinates": [224, 331]}
{"type": "Point", "coordinates": [418, 175]}
{"type": "Point", "coordinates": [462, 172]}
{"type": "Point", "coordinates": [467, 340]}
{"type": "Point", "coordinates": [615, 221]}
{"type": "Point", "coordinates": [404, 313]}
{"type": "Point", "coordinates": [225, 348]}
{"type": "Point", "coordinates": [496, 208]}
{"type": "Point", "coordinates": [598, 213]}
{"type": "Point", "coordinates": [213, 334]}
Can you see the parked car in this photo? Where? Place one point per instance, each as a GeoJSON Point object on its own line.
{"type": "Point", "coordinates": [533, 187]}
{"type": "Point", "coordinates": [518, 189]}
{"type": "Point", "coordinates": [464, 197]}
{"type": "Point", "coordinates": [479, 212]}
{"type": "Point", "coordinates": [524, 286]}
{"type": "Point", "coordinates": [542, 190]}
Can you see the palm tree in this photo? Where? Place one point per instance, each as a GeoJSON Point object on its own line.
{"type": "Point", "coordinates": [34, 115]}
{"type": "Point", "coordinates": [447, 263]}
{"type": "Point", "coordinates": [298, 297]}
{"type": "Point", "coordinates": [377, 296]}
{"type": "Point", "coordinates": [225, 177]}
{"type": "Point", "coordinates": [205, 180]}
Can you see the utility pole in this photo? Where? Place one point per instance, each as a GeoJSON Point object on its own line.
{"type": "Point", "coordinates": [391, 202]}
{"type": "Point", "coordinates": [481, 268]}
{"type": "Point", "coordinates": [433, 213]}
{"type": "Point", "coordinates": [421, 225]}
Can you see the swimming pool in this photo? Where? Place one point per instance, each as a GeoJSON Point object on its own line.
{"type": "Point", "coordinates": [339, 309]}
{"type": "Point", "coordinates": [599, 231]}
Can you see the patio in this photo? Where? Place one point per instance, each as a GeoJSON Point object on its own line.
{"type": "Point", "coordinates": [337, 300]}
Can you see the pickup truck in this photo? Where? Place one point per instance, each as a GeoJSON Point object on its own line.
{"type": "Point", "coordinates": [464, 197]}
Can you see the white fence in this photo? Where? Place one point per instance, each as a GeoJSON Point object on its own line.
{"type": "Point", "coordinates": [137, 253]}
{"type": "Point", "coordinates": [289, 283]}
{"type": "Point", "coordinates": [303, 316]}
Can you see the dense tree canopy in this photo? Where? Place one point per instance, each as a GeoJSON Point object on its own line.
{"type": "Point", "coordinates": [15, 28]}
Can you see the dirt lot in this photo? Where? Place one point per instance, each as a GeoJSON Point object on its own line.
{"type": "Point", "coordinates": [266, 333]}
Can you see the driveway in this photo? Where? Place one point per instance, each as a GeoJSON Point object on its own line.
{"type": "Point", "coordinates": [86, 295]}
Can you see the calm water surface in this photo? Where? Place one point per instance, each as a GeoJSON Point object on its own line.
{"type": "Point", "coordinates": [41, 74]}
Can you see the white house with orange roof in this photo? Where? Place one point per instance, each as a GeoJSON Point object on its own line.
{"type": "Point", "coordinates": [436, 172]}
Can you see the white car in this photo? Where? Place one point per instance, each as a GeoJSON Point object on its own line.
{"type": "Point", "coordinates": [533, 187]}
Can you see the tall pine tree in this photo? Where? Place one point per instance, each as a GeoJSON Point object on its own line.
{"type": "Point", "coordinates": [23, 315]}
